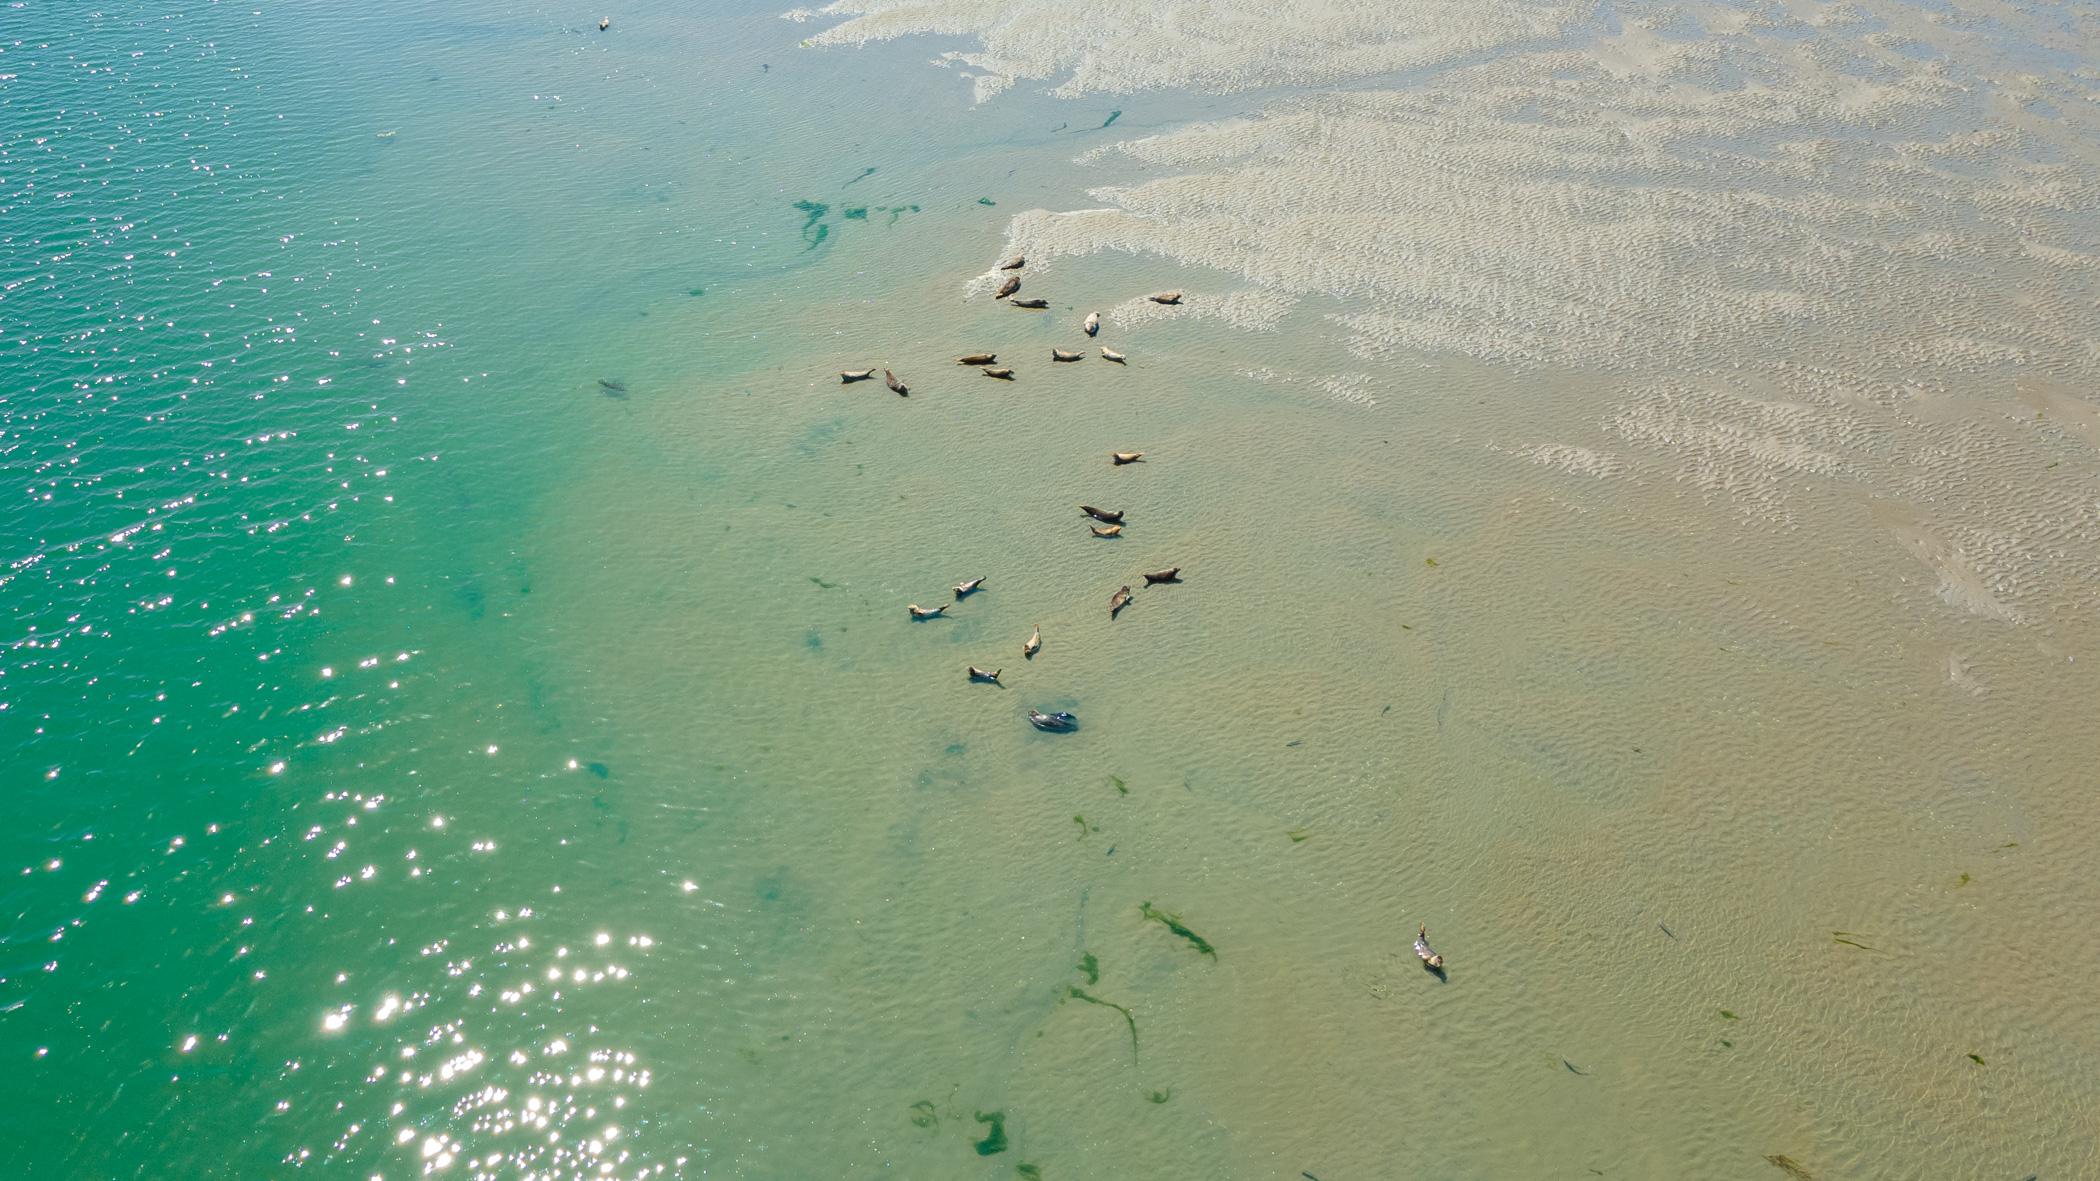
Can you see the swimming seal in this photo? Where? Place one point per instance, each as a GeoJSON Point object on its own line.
{"type": "Point", "coordinates": [1056, 723]}
{"type": "Point", "coordinates": [1033, 644]}
{"type": "Point", "coordinates": [1173, 575]}
{"type": "Point", "coordinates": [965, 589]}
{"type": "Point", "coordinates": [1102, 515]}
{"type": "Point", "coordinates": [1109, 354]}
{"type": "Point", "coordinates": [1028, 303]}
{"type": "Point", "coordinates": [1012, 284]}
{"type": "Point", "coordinates": [1093, 323]}
{"type": "Point", "coordinates": [1057, 354]}
{"type": "Point", "coordinates": [918, 612]}
{"type": "Point", "coordinates": [978, 674]}
{"type": "Point", "coordinates": [1430, 959]}
{"type": "Point", "coordinates": [977, 359]}
{"type": "Point", "coordinates": [849, 376]}
{"type": "Point", "coordinates": [1119, 458]}
{"type": "Point", "coordinates": [897, 387]}
{"type": "Point", "coordinates": [1118, 601]}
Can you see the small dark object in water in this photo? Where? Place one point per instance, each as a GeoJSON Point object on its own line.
{"type": "Point", "coordinates": [977, 359]}
{"type": "Point", "coordinates": [1105, 530]}
{"type": "Point", "coordinates": [1057, 354]}
{"type": "Point", "coordinates": [896, 387]}
{"type": "Point", "coordinates": [1173, 575]}
{"type": "Point", "coordinates": [965, 589]}
{"type": "Point", "coordinates": [1003, 373]}
{"type": "Point", "coordinates": [994, 1141]}
{"type": "Point", "coordinates": [599, 769]}
{"type": "Point", "coordinates": [1029, 303]}
{"type": "Point", "coordinates": [1173, 923]}
{"type": "Point", "coordinates": [1782, 1161]}
{"type": "Point", "coordinates": [986, 201]}
{"type": "Point", "coordinates": [1976, 1058]}
{"type": "Point", "coordinates": [1574, 1069]}
{"type": "Point", "coordinates": [1119, 600]}
{"type": "Point", "coordinates": [604, 23]}
{"type": "Point", "coordinates": [991, 677]}
{"type": "Point", "coordinates": [1430, 959]}
{"type": "Point", "coordinates": [1057, 723]}
{"type": "Point", "coordinates": [865, 173]}
{"type": "Point", "coordinates": [1119, 458]}
{"type": "Point", "coordinates": [1015, 263]}
{"type": "Point", "coordinates": [1012, 284]}
{"type": "Point", "coordinates": [1103, 515]}
{"type": "Point", "coordinates": [1090, 965]}
{"type": "Point", "coordinates": [1663, 929]}
{"type": "Point", "coordinates": [613, 387]}
{"type": "Point", "coordinates": [1110, 121]}
{"type": "Point", "coordinates": [849, 376]}
{"type": "Point", "coordinates": [918, 612]}
{"type": "Point", "coordinates": [1168, 297]}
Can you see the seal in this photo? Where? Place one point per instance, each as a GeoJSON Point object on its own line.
{"type": "Point", "coordinates": [977, 359]}
{"type": "Point", "coordinates": [1119, 458]}
{"type": "Point", "coordinates": [1057, 723]}
{"type": "Point", "coordinates": [1169, 575]}
{"type": "Point", "coordinates": [1057, 354]}
{"type": "Point", "coordinates": [1029, 303]}
{"type": "Point", "coordinates": [1003, 374]}
{"type": "Point", "coordinates": [1102, 515]}
{"type": "Point", "coordinates": [978, 674]}
{"type": "Point", "coordinates": [890, 379]}
{"type": "Point", "coordinates": [1430, 959]}
{"type": "Point", "coordinates": [1118, 601]}
{"type": "Point", "coordinates": [1093, 323]}
{"type": "Point", "coordinates": [1105, 530]}
{"type": "Point", "coordinates": [1165, 297]}
{"type": "Point", "coordinates": [1033, 644]}
{"type": "Point", "coordinates": [1109, 354]}
{"type": "Point", "coordinates": [1012, 284]}
{"type": "Point", "coordinates": [1015, 263]}
{"type": "Point", "coordinates": [966, 589]}
{"type": "Point", "coordinates": [918, 612]}
{"type": "Point", "coordinates": [604, 23]}
{"type": "Point", "coordinates": [849, 376]}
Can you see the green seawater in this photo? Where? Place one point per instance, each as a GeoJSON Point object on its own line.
{"type": "Point", "coordinates": [458, 715]}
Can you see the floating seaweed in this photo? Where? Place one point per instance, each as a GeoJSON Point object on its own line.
{"type": "Point", "coordinates": [865, 173]}
{"type": "Point", "coordinates": [1976, 1058]}
{"type": "Point", "coordinates": [1727, 1044]}
{"type": "Point", "coordinates": [1112, 117]}
{"type": "Point", "coordinates": [599, 769]}
{"type": "Point", "coordinates": [696, 292]}
{"type": "Point", "coordinates": [1090, 967]}
{"type": "Point", "coordinates": [1574, 1069]}
{"type": "Point", "coordinates": [823, 585]}
{"type": "Point", "coordinates": [1122, 789]}
{"type": "Point", "coordinates": [1074, 992]}
{"type": "Point", "coordinates": [1159, 1096]}
{"type": "Point", "coordinates": [923, 1115]}
{"type": "Point", "coordinates": [1965, 879]}
{"type": "Point", "coordinates": [1782, 1161]}
{"type": "Point", "coordinates": [1298, 834]}
{"type": "Point", "coordinates": [854, 213]}
{"type": "Point", "coordinates": [1028, 1171]}
{"type": "Point", "coordinates": [612, 387]}
{"type": "Point", "coordinates": [1429, 561]}
{"type": "Point", "coordinates": [994, 1141]}
{"type": "Point", "coordinates": [1173, 923]}
{"type": "Point", "coordinates": [1847, 938]}
{"type": "Point", "coordinates": [986, 201]}
{"type": "Point", "coordinates": [1727, 1016]}
{"type": "Point", "coordinates": [815, 211]}
{"type": "Point", "coordinates": [1084, 827]}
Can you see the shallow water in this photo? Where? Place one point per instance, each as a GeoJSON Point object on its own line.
{"type": "Point", "coordinates": [461, 718]}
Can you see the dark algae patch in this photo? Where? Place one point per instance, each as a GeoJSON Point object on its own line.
{"type": "Point", "coordinates": [1090, 967]}
{"type": "Point", "coordinates": [1727, 1016]}
{"type": "Point", "coordinates": [986, 201]}
{"type": "Point", "coordinates": [994, 1141]}
{"type": "Point", "coordinates": [1159, 1096]}
{"type": "Point", "coordinates": [854, 213]}
{"type": "Point", "coordinates": [923, 1115]}
{"type": "Point", "coordinates": [1173, 923]}
{"type": "Point", "coordinates": [1028, 1171]}
{"type": "Point", "coordinates": [813, 231]}
{"type": "Point", "coordinates": [1786, 1164]}
{"type": "Point", "coordinates": [1298, 834]}
{"type": "Point", "coordinates": [1122, 788]}
{"type": "Point", "coordinates": [865, 173]}
{"type": "Point", "coordinates": [1976, 1058]}
{"type": "Point", "coordinates": [1074, 992]}
{"type": "Point", "coordinates": [1111, 120]}
{"type": "Point", "coordinates": [1084, 827]}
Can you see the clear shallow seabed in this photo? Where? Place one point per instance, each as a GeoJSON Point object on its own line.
{"type": "Point", "coordinates": [426, 758]}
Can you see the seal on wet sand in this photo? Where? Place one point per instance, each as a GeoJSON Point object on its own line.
{"type": "Point", "coordinates": [1003, 374]}
{"type": "Point", "coordinates": [918, 612]}
{"type": "Point", "coordinates": [1118, 601]}
{"type": "Point", "coordinates": [896, 387]}
{"type": "Point", "coordinates": [1057, 354]}
{"type": "Point", "coordinates": [1103, 515]}
{"type": "Point", "coordinates": [1015, 263]}
{"type": "Point", "coordinates": [1012, 284]}
{"type": "Point", "coordinates": [1171, 575]}
{"type": "Point", "coordinates": [965, 589]}
{"type": "Point", "coordinates": [1093, 323]}
{"type": "Point", "coordinates": [1109, 354]}
{"type": "Point", "coordinates": [849, 376]}
{"type": "Point", "coordinates": [977, 359]}
{"type": "Point", "coordinates": [1119, 458]}
{"type": "Point", "coordinates": [1033, 644]}
{"type": "Point", "coordinates": [1165, 297]}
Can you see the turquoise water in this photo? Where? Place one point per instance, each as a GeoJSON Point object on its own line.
{"type": "Point", "coordinates": [459, 719]}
